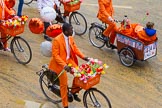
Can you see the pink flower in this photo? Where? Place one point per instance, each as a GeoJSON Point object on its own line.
{"type": "Point", "coordinates": [100, 62]}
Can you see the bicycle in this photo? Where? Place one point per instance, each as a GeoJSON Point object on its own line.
{"type": "Point", "coordinates": [96, 37]}
{"type": "Point", "coordinates": [129, 48]}
{"type": "Point", "coordinates": [18, 45]}
{"type": "Point", "coordinates": [91, 97]}
{"type": "Point", "coordinates": [76, 19]}
{"type": "Point", "coordinates": [27, 2]}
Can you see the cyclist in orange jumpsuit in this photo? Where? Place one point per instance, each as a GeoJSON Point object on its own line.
{"type": "Point", "coordinates": [105, 14]}
{"type": "Point", "coordinates": [4, 11]}
{"type": "Point", "coordinates": [64, 52]}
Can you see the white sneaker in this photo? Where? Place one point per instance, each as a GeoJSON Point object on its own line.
{"type": "Point", "coordinates": [7, 49]}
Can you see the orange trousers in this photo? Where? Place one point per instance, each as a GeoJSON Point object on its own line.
{"type": "Point", "coordinates": [64, 84]}
{"type": "Point", "coordinates": [110, 30]}
{"type": "Point", "coordinates": [4, 39]}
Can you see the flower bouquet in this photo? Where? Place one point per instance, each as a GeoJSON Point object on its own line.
{"type": "Point", "coordinates": [72, 5]}
{"type": "Point", "coordinates": [88, 74]}
{"type": "Point", "coordinates": [13, 26]}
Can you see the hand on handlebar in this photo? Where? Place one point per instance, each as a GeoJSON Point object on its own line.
{"type": "Point", "coordinates": [110, 19]}
{"type": "Point", "coordinates": [67, 68]}
{"type": "Point", "coordinates": [86, 59]}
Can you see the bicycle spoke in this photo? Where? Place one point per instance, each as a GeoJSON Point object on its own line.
{"type": "Point", "coordinates": [94, 98]}
{"type": "Point", "coordinates": [21, 50]}
{"type": "Point", "coordinates": [76, 20]}
{"type": "Point", "coordinates": [79, 23]}
{"type": "Point", "coordinates": [95, 37]}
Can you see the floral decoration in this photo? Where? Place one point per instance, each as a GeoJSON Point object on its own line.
{"type": "Point", "coordinates": [14, 22]}
{"type": "Point", "coordinates": [89, 69]}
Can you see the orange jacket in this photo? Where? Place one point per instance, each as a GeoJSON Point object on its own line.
{"type": "Point", "coordinates": [58, 60]}
{"type": "Point", "coordinates": [145, 38]}
{"type": "Point", "coordinates": [105, 9]}
{"type": "Point", "coordinates": [4, 10]}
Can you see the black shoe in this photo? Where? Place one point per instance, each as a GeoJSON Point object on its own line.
{"type": "Point", "coordinates": [47, 38]}
{"type": "Point", "coordinates": [105, 38]}
{"type": "Point", "coordinates": [76, 97]}
{"type": "Point", "coordinates": [113, 46]}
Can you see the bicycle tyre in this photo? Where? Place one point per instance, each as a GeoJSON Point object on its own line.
{"type": "Point", "coordinates": [21, 50]}
{"type": "Point", "coordinates": [94, 98]}
{"type": "Point", "coordinates": [27, 2]}
{"type": "Point", "coordinates": [79, 23]}
{"type": "Point", "coordinates": [95, 37]}
{"type": "Point", "coordinates": [126, 57]}
{"type": "Point", "coordinates": [44, 84]}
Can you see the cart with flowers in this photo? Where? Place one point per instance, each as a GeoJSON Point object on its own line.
{"type": "Point", "coordinates": [86, 76]}
{"type": "Point", "coordinates": [19, 46]}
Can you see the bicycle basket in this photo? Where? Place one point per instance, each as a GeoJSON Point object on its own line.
{"type": "Point", "coordinates": [90, 82]}
{"type": "Point", "coordinates": [12, 31]}
{"type": "Point", "coordinates": [13, 26]}
{"type": "Point", "coordinates": [69, 7]}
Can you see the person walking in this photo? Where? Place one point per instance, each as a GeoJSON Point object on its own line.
{"type": "Point", "coordinates": [47, 3]}
{"type": "Point", "coordinates": [20, 7]}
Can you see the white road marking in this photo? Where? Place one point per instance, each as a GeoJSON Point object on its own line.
{"type": "Point", "coordinates": [31, 104]}
{"type": "Point", "coordinates": [116, 6]}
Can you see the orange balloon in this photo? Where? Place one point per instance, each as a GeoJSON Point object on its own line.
{"type": "Point", "coordinates": [36, 25]}
{"type": "Point", "coordinates": [10, 3]}
{"type": "Point", "coordinates": [54, 30]}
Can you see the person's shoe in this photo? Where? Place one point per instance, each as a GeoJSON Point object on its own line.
{"type": "Point", "coordinates": [47, 38]}
{"type": "Point", "coordinates": [7, 49]}
{"type": "Point", "coordinates": [105, 38]}
{"type": "Point", "coordinates": [113, 46]}
{"type": "Point", "coordinates": [76, 97]}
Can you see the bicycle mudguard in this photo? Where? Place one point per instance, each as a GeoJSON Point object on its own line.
{"type": "Point", "coordinates": [95, 24]}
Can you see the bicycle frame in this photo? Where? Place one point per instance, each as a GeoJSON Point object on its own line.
{"type": "Point", "coordinates": [7, 38]}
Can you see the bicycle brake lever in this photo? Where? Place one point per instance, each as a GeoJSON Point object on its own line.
{"type": "Point", "coordinates": [45, 66]}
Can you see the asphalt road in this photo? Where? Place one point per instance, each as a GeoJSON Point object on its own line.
{"type": "Point", "coordinates": [139, 86]}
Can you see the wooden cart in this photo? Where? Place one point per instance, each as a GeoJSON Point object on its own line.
{"type": "Point", "coordinates": [131, 49]}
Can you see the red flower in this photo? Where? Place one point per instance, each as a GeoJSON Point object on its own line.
{"type": "Point", "coordinates": [99, 69]}
{"type": "Point", "coordinates": [88, 70]}
{"type": "Point", "coordinates": [147, 13]}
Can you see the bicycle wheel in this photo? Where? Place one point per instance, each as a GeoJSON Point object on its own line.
{"type": "Point", "coordinates": [95, 37]}
{"type": "Point", "coordinates": [46, 85]}
{"type": "Point", "coordinates": [21, 50]}
{"type": "Point", "coordinates": [79, 23]}
{"type": "Point", "coordinates": [126, 57]}
{"type": "Point", "coordinates": [27, 2]}
{"type": "Point", "coordinates": [93, 98]}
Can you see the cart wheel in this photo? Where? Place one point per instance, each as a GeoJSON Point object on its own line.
{"type": "Point", "coordinates": [126, 57]}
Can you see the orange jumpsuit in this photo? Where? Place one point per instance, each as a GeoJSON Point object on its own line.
{"type": "Point", "coordinates": [106, 10]}
{"type": "Point", "coordinates": [58, 61]}
{"type": "Point", "coordinates": [129, 30]}
{"type": "Point", "coordinates": [3, 11]}
{"type": "Point", "coordinates": [142, 35]}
